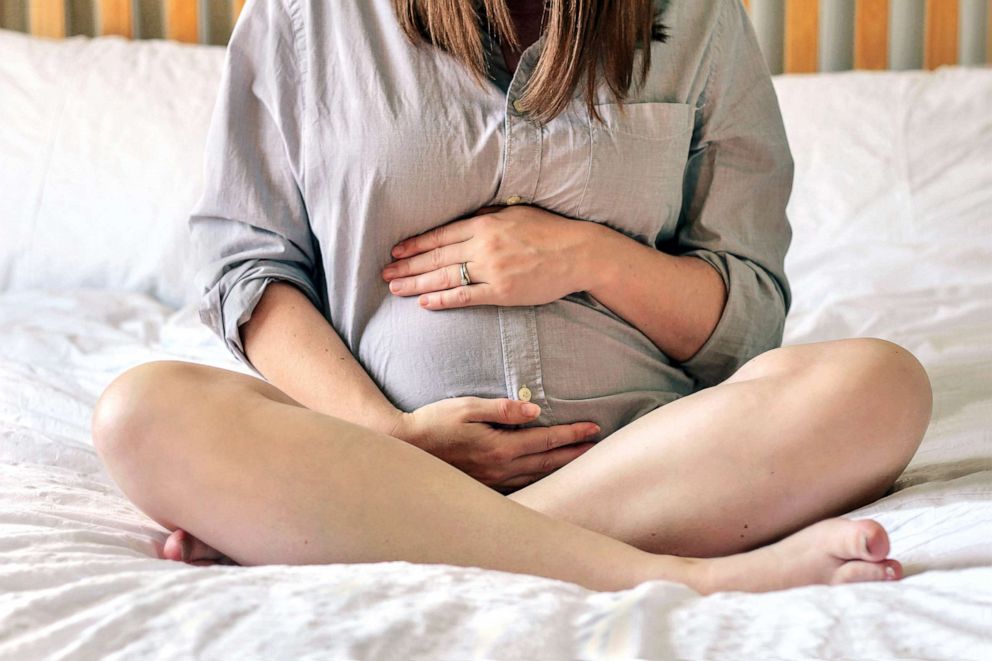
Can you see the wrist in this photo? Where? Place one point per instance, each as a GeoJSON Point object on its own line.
{"type": "Point", "coordinates": [400, 425]}
{"type": "Point", "coordinates": [596, 263]}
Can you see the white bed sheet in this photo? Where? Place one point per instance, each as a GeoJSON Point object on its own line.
{"type": "Point", "coordinates": [79, 577]}
{"type": "Point", "coordinates": [893, 239]}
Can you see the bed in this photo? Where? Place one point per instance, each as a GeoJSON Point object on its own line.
{"type": "Point", "coordinates": [100, 159]}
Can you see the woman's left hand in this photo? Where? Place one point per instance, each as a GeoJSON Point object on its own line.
{"type": "Point", "coordinates": [516, 255]}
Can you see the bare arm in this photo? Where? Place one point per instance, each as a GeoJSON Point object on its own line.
{"type": "Point", "coordinates": [289, 342]}
{"type": "Point", "coordinates": [674, 300]}
{"type": "Point", "coordinates": [294, 347]}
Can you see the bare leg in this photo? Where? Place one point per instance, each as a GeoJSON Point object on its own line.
{"type": "Point", "coordinates": [798, 434]}
{"type": "Point", "coordinates": [253, 474]}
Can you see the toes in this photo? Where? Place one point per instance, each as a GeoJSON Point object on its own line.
{"type": "Point", "coordinates": [858, 571]}
{"type": "Point", "coordinates": [865, 539]}
{"type": "Point", "coordinates": [874, 540]}
{"type": "Point", "coordinates": [176, 547]}
{"type": "Point", "coordinates": [183, 547]}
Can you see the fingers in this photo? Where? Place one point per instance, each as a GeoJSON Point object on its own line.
{"type": "Point", "coordinates": [448, 277]}
{"type": "Point", "coordinates": [452, 232]}
{"type": "Point", "coordinates": [459, 297]}
{"type": "Point", "coordinates": [431, 260]}
{"type": "Point", "coordinates": [514, 412]}
{"type": "Point", "coordinates": [548, 462]}
{"type": "Point", "coordinates": [510, 458]}
{"type": "Point", "coordinates": [533, 467]}
{"type": "Point", "coordinates": [534, 440]}
{"type": "Point", "coordinates": [500, 410]}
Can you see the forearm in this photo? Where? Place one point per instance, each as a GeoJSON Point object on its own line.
{"type": "Point", "coordinates": [676, 301]}
{"type": "Point", "coordinates": [294, 347]}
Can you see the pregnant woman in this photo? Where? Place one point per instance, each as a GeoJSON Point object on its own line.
{"type": "Point", "coordinates": [513, 273]}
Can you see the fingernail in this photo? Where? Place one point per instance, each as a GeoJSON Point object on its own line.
{"type": "Point", "coordinates": [398, 250]}
{"type": "Point", "coordinates": [864, 542]}
{"type": "Point", "coordinates": [531, 409]}
{"type": "Point", "coordinates": [890, 573]}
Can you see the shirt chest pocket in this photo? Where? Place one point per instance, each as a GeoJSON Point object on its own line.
{"type": "Point", "coordinates": [637, 164]}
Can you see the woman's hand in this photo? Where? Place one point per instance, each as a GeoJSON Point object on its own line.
{"type": "Point", "coordinates": [462, 432]}
{"type": "Point", "coordinates": [517, 255]}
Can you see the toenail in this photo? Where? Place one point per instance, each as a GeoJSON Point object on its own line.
{"type": "Point", "coordinates": [890, 573]}
{"type": "Point", "coordinates": [864, 540]}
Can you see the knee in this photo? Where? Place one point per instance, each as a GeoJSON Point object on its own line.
{"type": "Point", "coordinates": [890, 376]}
{"type": "Point", "coordinates": [875, 384]}
{"type": "Point", "coordinates": [864, 372]}
{"type": "Point", "coordinates": [891, 390]}
{"type": "Point", "coordinates": [126, 415]}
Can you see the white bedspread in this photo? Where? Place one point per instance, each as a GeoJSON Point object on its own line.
{"type": "Point", "coordinates": [79, 576]}
{"type": "Point", "coordinates": [899, 249]}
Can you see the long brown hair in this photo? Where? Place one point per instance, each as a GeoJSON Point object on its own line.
{"type": "Point", "coordinates": [582, 36]}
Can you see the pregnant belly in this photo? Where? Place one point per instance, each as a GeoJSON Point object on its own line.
{"type": "Point", "coordinates": [593, 365]}
{"type": "Point", "coordinates": [419, 356]}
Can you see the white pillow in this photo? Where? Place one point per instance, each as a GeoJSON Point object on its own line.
{"type": "Point", "coordinates": [101, 160]}
{"type": "Point", "coordinates": [893, 186]}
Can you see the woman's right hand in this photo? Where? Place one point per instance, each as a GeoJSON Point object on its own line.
{"type": "Point", "coordinates": [461, 431]}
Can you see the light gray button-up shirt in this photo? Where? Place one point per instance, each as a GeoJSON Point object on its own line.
{"type": "Point", "coordinates": [333, 138]}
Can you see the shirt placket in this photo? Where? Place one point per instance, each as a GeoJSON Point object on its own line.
{"type": "Point", "coordinates": [521, 173]}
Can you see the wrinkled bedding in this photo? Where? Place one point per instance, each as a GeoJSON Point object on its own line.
{"type": "Point", "coordinates": [80, 578]}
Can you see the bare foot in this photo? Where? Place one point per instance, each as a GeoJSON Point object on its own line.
{"type": "Point", "coordinates": [183, 547]}
{"type": "Point", "coordinates": [828, 552]}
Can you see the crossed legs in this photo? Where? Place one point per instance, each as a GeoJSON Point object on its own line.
{"type": "Point", "coordinates": [796, 435]}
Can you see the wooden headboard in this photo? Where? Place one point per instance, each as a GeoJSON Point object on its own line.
{"type": "Point", "coordinates": [797, 36]}
{"type": "Point", "coordinates": [806, 36]}
{"type": "Point", "coordinates": [192, 21]}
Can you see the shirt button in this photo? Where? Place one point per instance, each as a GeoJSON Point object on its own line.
{"type": "Point", "coordinates": [518, 106]}
{"type": "Point", "coordinates": [524, 393]}
{"type": "Point", "coordinates": [514, 199]}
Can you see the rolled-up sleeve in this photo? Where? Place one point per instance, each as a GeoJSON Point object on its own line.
{"type": "Point", "coordinates": [737, 184]}
{"type": "Point", "coordinates": [250, 226]}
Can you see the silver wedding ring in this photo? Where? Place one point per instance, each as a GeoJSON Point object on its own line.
{"type": "Point", "coordinates": [465, 279]}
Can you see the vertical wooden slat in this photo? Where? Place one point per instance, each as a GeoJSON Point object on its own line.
{"type": "Point", "coordinates": [768, 19]}
{"type": "Point", "coordinates": [80, 18]}
{"type": "Point", "coordinates": [871, 40]}
{"type": "Point", "coordinates": [181, 20]}
{"type": "Point", "coordinates": [149, 21]}
{"type": "Point", "coordinates": [801, 35]}
{"type": "Point", "coordinates": [13, 16]}
{"type": "Point", "coordinates": [988, 36]}
{"type": "Point", "coordinates": [941, 33]}
{"type": "Point", "coordinates": [906, 19]}
{"type": "Point", "coordinates": [217, 28]}
{"type": "Point", "coordinates": [238, 5]}
{"type": "Point", "coordinates": [837, 35]}
{"type": "Point", "coordinates": [46, 18]}
{"type": "Point", "coordinates": [115, 18]}
{"type": "Point", "coordinates": [971, 32]}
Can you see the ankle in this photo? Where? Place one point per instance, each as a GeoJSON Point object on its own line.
{"type": "Point", "coordinates": [700, 575]}
{"type": "Point", "coordinates": [696, 573]}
